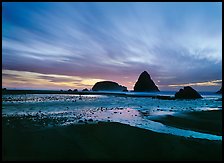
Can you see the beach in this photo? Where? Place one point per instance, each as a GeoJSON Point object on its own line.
{"type": "Point", "coordinates": [104, 141]}
{"type": "Point", "coordinates": [202, 121]}
{"type": "Point", "coordinates": [98, 127]}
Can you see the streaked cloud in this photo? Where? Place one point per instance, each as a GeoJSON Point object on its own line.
{"type": "Point", "coordinates": [23, 79]}
{"type": "Point", "coordinates": [207, 83]}
{"type": "Point", "coordinates": [175, 42]}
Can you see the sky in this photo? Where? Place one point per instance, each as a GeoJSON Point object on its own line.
{"type": "Point", "coordinates": [62, 45]}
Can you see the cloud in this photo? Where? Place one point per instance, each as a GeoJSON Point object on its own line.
{"type": "Point", "coordinates": [23, 79]}
{"type": "Point", "coordinates": [207, 83]}
{"type": "Point", "coordinates": [176, 43]}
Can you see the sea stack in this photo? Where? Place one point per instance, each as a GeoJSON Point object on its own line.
{"type": "Point", "coordinates": [145, 84]}
{"type": "Point", "coordinates": [187, 93]}
{"type": "Point", "coordinates": [108, 86]}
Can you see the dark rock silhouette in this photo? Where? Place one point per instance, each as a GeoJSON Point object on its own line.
{"type": "Point", "coordinates": [220, 91]}
{"type": "Point", "coordinates": [75, 90]}
{"type": "Point", "coordinates": [85, 89]}
{"type": "Point", "coordinates": [108, 86]}
{"type": "Point", "coordinates": [187, 93]}
{"type": "Point", "coordinates": [145, 84]}
{"type": "Point", "coordinates": [69, 90]}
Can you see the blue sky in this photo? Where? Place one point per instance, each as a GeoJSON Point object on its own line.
{"type": "Point", "coordinates": [73, 45]}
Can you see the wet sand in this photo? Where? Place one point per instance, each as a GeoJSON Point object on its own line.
{"type": "Point", "coordinates": [201, 121]}
{"type": "Point", "coordinates": [103, 141]}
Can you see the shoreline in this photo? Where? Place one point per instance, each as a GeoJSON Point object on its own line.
{"type": "Point", "coordinates": [107, 93]}
{"type": "Point", "coordinates": [104, 141]}
{"type": "Point", "coordinates": [121, 94]}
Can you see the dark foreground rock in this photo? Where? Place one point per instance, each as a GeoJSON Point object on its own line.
{"type": "Point", "coordinates": [187, 93]}
{"type": "Point", "coordinates": [145, 84]}
{"type": "Point", "coordinates": [108, 86]}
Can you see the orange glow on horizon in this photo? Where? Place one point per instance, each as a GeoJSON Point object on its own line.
{"type": "Point", "coordinates": [26, 80]}
{"type": "Point", "coordinates": [23, 79]}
